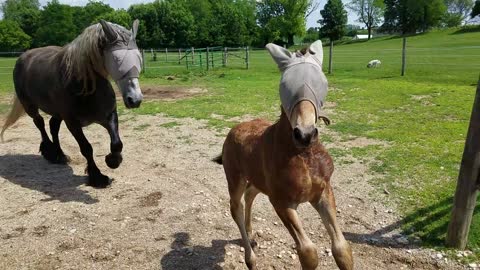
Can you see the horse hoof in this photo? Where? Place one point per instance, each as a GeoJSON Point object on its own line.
{"type": "Point", "coordinates": [98, 181]}
{"type": "Point", "coordinates": [52, 154]}
{"type": "Point", "coordinates": [113, 160]}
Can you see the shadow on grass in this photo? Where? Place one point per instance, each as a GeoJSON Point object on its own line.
{"type": "Point", "coordinates": [429, 224]}
{"type": "Point", "coordinates": [467, 29]}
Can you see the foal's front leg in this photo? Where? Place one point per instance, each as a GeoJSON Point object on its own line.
{"type": "Point", "coordinates": [114, 159]}
{"type": "Point", "coordinates": [95, 177]}
{"type": "Point", "coordinates": [306, 250]}
{"type": "Point", "coordinates": [340, 248]}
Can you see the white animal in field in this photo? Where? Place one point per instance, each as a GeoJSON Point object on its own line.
{"type": "Point", "coordinates": [374, 64]}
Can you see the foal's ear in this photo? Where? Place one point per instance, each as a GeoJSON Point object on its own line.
{"type": "Point", "coordinates": [316, 51]}
{"type": "Point", "coordinates": [280, 55]}
{"type": "Point", "coordinates": [109, 31]}
{"type": "Point", "coordinates": [135, 29]}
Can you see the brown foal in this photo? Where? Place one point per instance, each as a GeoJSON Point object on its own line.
{"type": "Point", "coordinates": [287, 162]}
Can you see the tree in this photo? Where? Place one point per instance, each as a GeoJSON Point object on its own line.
{"type": "Point", "coordinates": [475, 9]}
{"type": "Point", "coordinates": [56, 25]}
{"type": "Point", "coordinates": [12, 36]}
{"type": "Point", "coordinates": [176, 22]}
{"type": "Point", "coordinates": [150, 35]}
{"type": "Point", "coordinates": [410, 16]}
{"type": "Point", "coordinates": [312, 35]}
{"type": "Point", "coordinates": [92, 10]}
{"type": "Point", "coordinates": [390, 16]}
{"type": "Point", "coordinates": [457, 12]}
{"type": "Point", "coordinates": [369, 12]}
{"type": "Point", "coordinates": [284, 18]}
{"type": "Point", "coordinates": [334, 20]}
{"type": "Point", "coordinates": [25, 13]}
{"type": "Point", "coordinates": [120, 17]}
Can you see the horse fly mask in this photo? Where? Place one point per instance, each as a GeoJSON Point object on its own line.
{"type": "Point", "coordinates": [123, 62]}
{"type": "Point", "coordinates": [302, 78]}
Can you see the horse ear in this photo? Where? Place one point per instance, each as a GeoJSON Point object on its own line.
{"type": "Point", "coordinates": [316, 50]}
{"type": "Point", "coordinates": [280, 55]}
{"type": "Point", "coordinates": [135, 29]}
{"type": "Point", "coordinates": [109, 31]}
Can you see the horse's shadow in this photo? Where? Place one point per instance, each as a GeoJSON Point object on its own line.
{"type": "Point", "coordinates": [429, 224]}
{"type": "Point", "coordinates": [35, 173]}
{"type": "Point", "coordinates": [184, 256]}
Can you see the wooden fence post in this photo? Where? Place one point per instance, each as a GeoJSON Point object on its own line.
{"type": "Point", "coordinates": [208, 65]}
{"type": "Point", "coordinates": [225, 57]}
{"type": "Point", "coordinates": [193, 56]}
{"type": "Point", "coordinates": [213, 65]}
{"type": "Point", "coordinates": [404, 54]}
{"type": "Point", "coordinates": [247, 57]}
{"type": "Point", "coordinates": [468, 182]}
{"type": "Point", "coordinates": [166, 54]}
{"type": "Point", "coordinates": [179, 55]}
{"type": "Point", "coordinates": [330, 62]}
{"type": "Point", "coordinates": [143, 61]}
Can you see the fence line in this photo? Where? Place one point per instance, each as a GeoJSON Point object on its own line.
{"type": "Point", "coordinates": [203, 58]}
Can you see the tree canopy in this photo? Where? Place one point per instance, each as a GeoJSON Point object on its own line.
{"type": "Point", "coordinates": [334, 20]}
{"type": "Point", "coordinates": [12, 36]}
{"type": "Point", "coordinates": [56, 25]}
{"type": "Point", "coordinates": [25, 13]}
{"type": "Point", "coordinates": [283, 18]}
{"type": "Point", "coordinates": [411, 16]}
{"type": "Point", "coordinates": [475, 10]}
{"type": "Point", "coordinates": [370, 12]}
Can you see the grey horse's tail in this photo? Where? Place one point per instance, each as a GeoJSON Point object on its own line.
{"type": "Point", "coordinates": [218, 159]}
{"type": "Point", "coordinates": [16, 112]}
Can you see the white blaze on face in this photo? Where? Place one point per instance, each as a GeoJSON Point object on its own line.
{"type": "Point", "coordinates": [131, 92]}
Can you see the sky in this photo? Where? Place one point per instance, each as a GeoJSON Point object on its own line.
{"type": "Point", "coordinates": [311, 20]}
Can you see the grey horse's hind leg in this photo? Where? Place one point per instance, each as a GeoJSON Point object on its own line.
{"type": "Point", "coordinates": [57, 152]}
{"type": "Point", "coordinates": [46, 144]}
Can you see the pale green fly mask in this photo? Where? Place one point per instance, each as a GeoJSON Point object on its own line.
{"type": "Point", "coordinates": [123, 61]}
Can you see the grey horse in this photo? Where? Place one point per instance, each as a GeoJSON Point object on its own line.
{"type": "Point", "coordinates": [71, 84]}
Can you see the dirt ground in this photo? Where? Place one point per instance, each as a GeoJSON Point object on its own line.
{"type": "Point", "coordinates": [167, 207]}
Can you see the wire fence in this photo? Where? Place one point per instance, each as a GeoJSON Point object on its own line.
{"type": "Point", "coordinates": [195, 58]}
{"type": "Point", "coordinates": [440, 60]}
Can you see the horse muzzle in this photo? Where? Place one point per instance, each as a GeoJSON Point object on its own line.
{"type": "Point", "coordinates": [303, 137]}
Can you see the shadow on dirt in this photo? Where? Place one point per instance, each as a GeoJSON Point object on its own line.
{"type": "Point", "coordinates": [35, 173]}
{"type": "Point", "coordinates": [185, 256]}
{"type": "Point", "coordinates": [428, 224]}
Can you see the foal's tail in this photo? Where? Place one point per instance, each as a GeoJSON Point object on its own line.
{"type": "Point", "coordinates": [16, 112]}
{"type": "Point", "coordinates": [218, 159]}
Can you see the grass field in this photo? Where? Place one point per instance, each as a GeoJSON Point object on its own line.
{"type": "Point", "coordinates": [423, 116]}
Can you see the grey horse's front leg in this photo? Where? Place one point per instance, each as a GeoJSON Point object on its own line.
{"type": "Point", "coordinates": [114, 159]}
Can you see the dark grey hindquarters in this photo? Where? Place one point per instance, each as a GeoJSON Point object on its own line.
{"type": "Point", "coordinates": [39, 84]}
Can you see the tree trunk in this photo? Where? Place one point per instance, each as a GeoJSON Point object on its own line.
{"type": "Point", "coordinates": [290, 40]}
{"type": "Point", "coordinates": [369, 32]}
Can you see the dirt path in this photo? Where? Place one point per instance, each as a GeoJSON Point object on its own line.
{"type": "Point", "coordinates": [168, 207]}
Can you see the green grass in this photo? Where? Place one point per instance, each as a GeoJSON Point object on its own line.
{"type": "Point", "coordinates": [423, 116]}
{"type": "Point", "coordinates": [170, 124]}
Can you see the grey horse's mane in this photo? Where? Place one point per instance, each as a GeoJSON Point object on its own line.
{"type": "Point", "coordinates": [83, 57]}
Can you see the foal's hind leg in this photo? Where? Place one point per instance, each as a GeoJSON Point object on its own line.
{"type": "Point", "coordinates": [236, 188]}
{"type": "Point", "coordinates": [340, 248]}
{"type": "Point", "coordinates": [95, 177]}
{"type": "Point", "coordinates": [56, 151]}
